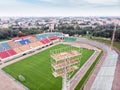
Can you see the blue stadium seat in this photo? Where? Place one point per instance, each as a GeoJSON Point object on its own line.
{"type": "Point", "coordinates": [5, 45]}
{"type": "Point", "coordinates": [27, 41]}
{"type": "Point", "coordinates": [40, 36]}
{"type": "Point", "coordinates": [45, 35]}
{"type": "Point", "coordinates": [22, 42]}
{"type": "Point", "coordinates": [54, 34]}
{"type": "Point", "coordinates": [57, 34]}
{"type": "Point", "coordinates": [37, 37]}
{"type": "Point", "coordinates": [1, 48]}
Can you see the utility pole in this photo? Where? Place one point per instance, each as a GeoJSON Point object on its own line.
{"type": "Point", "coordinates": [113, 36]}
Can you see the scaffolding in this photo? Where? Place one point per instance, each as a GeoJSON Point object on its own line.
{"type": "Point", "coordinates": [64, 62]}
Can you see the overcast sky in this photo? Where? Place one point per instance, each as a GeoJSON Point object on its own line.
{"type": "Point", "coordinates": [59, 7]}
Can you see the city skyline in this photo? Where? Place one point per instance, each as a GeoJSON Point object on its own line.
{"type": "Point", "coordinates": [41, 8]}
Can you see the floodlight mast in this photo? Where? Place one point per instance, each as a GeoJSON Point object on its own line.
{"type": "Point", "coordinates": [113, 36]}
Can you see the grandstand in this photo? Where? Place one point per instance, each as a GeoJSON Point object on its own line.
{"type": "Point", "coordinates": [22, 45]}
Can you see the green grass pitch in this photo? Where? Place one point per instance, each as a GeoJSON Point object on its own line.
{"type": "Point", "coordinates": [37, 70]}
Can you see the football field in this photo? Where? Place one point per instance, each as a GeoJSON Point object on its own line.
{"type": "Point", "coordinates": [37, 70]}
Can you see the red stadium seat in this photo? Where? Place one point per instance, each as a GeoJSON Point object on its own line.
{"type": "Point", "coordinates": [53, 37]}
{"type": "Point", "coordinates": [4, 54]}
{"type": "Point", "coordinates": [8, 53]}
{"type": "Point", "coordinates": [47, 40]}
{"type": "Point", "coordinates": [43, 41]}
{"type": "Point", "coordinates": [11, 52]}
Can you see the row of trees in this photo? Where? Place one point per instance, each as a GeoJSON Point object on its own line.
{"type": "Point", "coordinates": [99, 31]}
{"type": "Point", "coordinates": [10, 33]}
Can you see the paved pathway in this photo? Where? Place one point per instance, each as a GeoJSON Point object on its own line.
{"type": "Point", "coordinates": [7, 83]}
{"type": "Point", "coordinates": [104, 78]}
{"type": "Point", "coordinates": [116, 81]}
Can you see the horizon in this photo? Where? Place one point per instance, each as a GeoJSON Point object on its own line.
{"type": "Point", "coordinates": [60, 8]}
{"type": "Point", "coordinates": [58, 16]}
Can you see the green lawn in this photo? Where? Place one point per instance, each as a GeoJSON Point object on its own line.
{"type": "Point", "coordinates": [37, 70]}
{"type": "Point", "coordinates": [103, 40]}
{"type": "Point", "coordinates": [116, 44]}
{"type": "Point", "coordinates": [88, 73]}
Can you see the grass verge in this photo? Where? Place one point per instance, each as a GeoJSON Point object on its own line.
{"type": "Point", "coordinates": [88, 73]}
{"type": "Point", "coordinates": [116, 44]}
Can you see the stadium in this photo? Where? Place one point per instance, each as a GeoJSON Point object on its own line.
{"type": "Point", "coordinates": [48, 61]}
